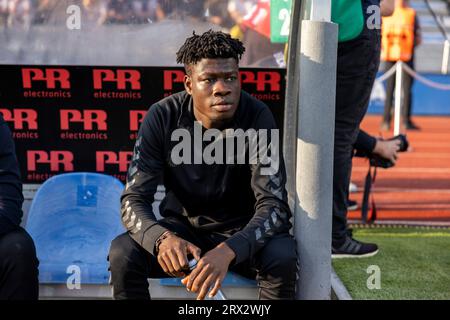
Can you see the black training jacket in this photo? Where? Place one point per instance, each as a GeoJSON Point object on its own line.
{"type": "Point", "coordinates": [11, 197]}
{"type": "Point", "coordinates": [235, 200]}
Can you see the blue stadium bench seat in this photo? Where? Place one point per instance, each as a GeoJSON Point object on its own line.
{"type": "Point", "coordinates": [72, 220]}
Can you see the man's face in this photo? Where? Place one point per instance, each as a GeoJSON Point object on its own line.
{"type": "Point", "coordinates": [215, 89]}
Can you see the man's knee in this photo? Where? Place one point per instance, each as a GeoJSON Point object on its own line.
{"type": "Point", "coordinates": [129, 264]}
{"type": "Point", "coordinates": [18, 266]}
{"type": "Point", "coordinates": [121, 250]}
{"type": "Point", "coordinates": [17, 248]}
{"type": "Point", "coordinates": [280, 256]}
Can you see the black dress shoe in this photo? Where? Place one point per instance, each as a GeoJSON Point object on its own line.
{"type": "Point", "coordinates": [411, 126]}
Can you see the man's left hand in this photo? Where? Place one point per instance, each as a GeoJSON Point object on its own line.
{"type": "Point", "coordinates": [210, 271]}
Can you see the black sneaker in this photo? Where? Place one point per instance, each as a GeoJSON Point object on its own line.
{"type": "Point", "coordinates": [352, 205]}
{"type": "Point", "coordinates": [351, 248]}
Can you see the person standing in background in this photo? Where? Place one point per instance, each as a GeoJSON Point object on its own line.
{"type": "Point", "coordinates": [400, 35]}
{"type": "Point", "coordinates": [358, 60]}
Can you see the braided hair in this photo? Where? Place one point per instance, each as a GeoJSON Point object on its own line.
{"type": "Point", "coordinates": [209, 45]}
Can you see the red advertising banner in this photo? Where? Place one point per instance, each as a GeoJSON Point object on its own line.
{"type": "Point", "coordinates": [77, 118]}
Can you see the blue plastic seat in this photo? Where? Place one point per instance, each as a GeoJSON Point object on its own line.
{"type": "Point", "coordinates": [72, 219]}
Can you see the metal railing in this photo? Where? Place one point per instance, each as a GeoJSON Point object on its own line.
{"type": "Point", "coordinates": [398, 69]}
{"type": "Point", "coordinates": [441, 28]}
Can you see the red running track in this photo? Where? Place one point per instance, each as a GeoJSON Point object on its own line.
{"type": "Point", "coordinates": [418, 186]}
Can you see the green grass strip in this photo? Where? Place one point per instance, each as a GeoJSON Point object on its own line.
{"type": "Point", "coordinates": [413, 263]}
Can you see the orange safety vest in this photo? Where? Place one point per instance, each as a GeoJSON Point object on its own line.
{"type": "Point", "coordinates": [397, 40]}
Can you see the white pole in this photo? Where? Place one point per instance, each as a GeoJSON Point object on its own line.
{"type": "Point", "coordinates": [398, 96]}
{"type": "Point", "coordinates": [315, 143]}
{"type": "Point", "coordinates": [321, 10]}
{"type": "Point", "coordinates": [445, 57]}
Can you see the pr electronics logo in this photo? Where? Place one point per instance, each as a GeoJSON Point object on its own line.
{"type": "Point", "coordinates": [112, 84]}
{"type": "Point", "coordinates": [21, 118]}
{"type": "Point", "coordinates": [88, 118]}
{"type": "Point", "coordinates": [58, 160]}
{"type": "Point", "coordinates": [172, 77]}
{"type": "Point", "coordinates": [136, 117]}
{"type": "Point", "coordinates": [80, 124]}
{"type": "Point", "coordinates": [46, 83]}
{"type": "Point", "coordinates": [51, 77]}
{"type": "Point", "coordinates": [263, 80]}
{"type": "Point", "coordinates": [24, 122]}
{"type": "Point", "coordinates": [120, 159]}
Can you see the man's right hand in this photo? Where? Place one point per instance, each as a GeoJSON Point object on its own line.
{"type": "Point", "coordinates": [172, 255]}
{"type": "Point", "coordinates": [387, 149]}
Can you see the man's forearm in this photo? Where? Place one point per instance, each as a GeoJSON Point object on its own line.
{"type": "Point", "coordinates": [144, 174]}
{"type": "Point", "coordinates": [265, 224]}
{"type": "Point", "coordinates": [227, 251]}
{"type": "Point", "coordinates": [140, 221]}
{"type": "Point", "coordinates": [365, 142]}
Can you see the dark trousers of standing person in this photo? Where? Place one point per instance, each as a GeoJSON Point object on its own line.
{"type": "Point", "coordinates": [274, 266]}
{"type": "Point", "coordinates": [18, 266]}
{"type": "Point", "coordinates": [357, 65]}
{"type": "Point", "coordinates": [407, 83]}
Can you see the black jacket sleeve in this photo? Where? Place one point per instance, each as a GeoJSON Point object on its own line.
{"type": "Point", "coordinates": [268, 181]}
{"type": "Point", "coordinates": [142, 181]}
{"type": "Point", "coordinates": [11, 197]}
{"type": "Point", "coordinates": [365, 143]}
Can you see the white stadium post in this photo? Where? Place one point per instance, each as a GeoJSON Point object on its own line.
{"type": "Point", "coordinates": [320, 10]}
{"type": "Point", "coordinates": [398, 97]}
{"type": "Point", "coordinates": [445, 57]}
{"type": "Point", "coordinates": [315, 145]}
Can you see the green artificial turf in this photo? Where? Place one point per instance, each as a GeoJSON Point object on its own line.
{"type": "Point", "coordinates": [414, 263]}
